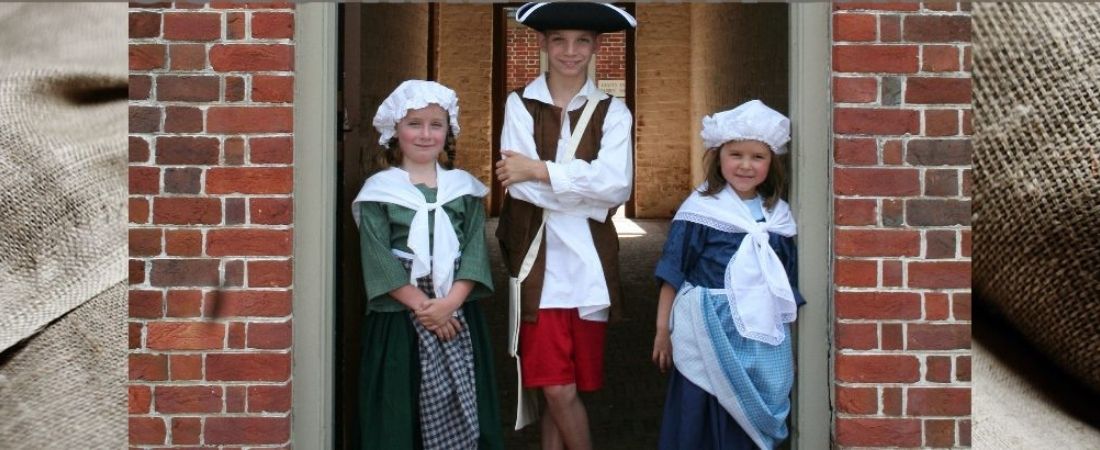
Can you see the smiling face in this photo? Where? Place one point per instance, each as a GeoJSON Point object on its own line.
{"type": "Point", "coordinates": [744, 165]}
{"type": "Point", "coordinates": [568, 52]}
{"type": "Point", "coordinates": [422, 133]}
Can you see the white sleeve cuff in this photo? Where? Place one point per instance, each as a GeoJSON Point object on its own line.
{"type": "Point", "coordinates": [560, 181]}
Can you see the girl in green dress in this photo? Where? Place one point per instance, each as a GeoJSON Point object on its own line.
{"type": "Point", "coordinates": [426, 371]}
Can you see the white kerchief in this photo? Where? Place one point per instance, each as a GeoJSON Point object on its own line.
{"type": "Point", "coordinates": [393, 186]}
{"type": "Point", "coordinates": [760, 295]}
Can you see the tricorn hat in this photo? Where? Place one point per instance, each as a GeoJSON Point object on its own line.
{"type": "Point", "coordinates": [592, 16]}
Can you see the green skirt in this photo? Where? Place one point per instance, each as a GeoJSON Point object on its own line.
{"type": "Point", "coordinates": [389, 382]}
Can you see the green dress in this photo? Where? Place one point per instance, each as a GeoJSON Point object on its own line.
{"type": "Point", "coordinates": [389, 379]}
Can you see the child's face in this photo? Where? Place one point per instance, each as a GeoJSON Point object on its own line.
{"type": "Point", "coordinates": [422, 133]}
{"type": "Point", "coordinates": [745, 165]}
{"type": "Point", "coordinates": [569, 51]}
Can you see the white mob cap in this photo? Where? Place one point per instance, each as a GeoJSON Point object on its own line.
{"type": "Point", "coordinates": [414, 94]}
{"type": "Point", "coordinates": [751, 120]}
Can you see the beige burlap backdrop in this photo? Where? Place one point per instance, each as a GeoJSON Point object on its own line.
{"type": "Point", "coordinates": [63, 196]}
{"type": "Point", "coordinates": [1037, 174]}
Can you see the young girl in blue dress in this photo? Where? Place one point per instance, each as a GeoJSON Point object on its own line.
{"type": "Point", "coordinates": [728, 292]}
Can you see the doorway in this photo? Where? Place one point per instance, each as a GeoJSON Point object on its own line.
{"type": "Point", "coordinates": [673, 86]}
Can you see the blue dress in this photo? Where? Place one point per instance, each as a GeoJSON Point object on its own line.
{"type": "Point", "coordinates": [698, 254]}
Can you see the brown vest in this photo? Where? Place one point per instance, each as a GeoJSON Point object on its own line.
{"type": "Point", "coordinates": [519, 220]}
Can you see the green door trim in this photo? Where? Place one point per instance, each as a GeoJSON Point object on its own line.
{"type": "Point", "coordinates": [811, 117]}
{"type": "Point", "coordinates": [315, 268]}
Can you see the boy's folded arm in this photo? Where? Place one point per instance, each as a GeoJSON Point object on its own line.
{"type": "Point", "coordinates": [518, 136]}
{"type": "Point", "coordinates": [605, 181]}
{"type": "Point", "coordinates": [540, 194]}
{"type": "Point", "coordinates": [578, 187]}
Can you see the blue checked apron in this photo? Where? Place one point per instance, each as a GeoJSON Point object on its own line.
{"type": "Point", "coordinates": [751, 379]}
{"type": "Point", "coordinates": [448, 392]}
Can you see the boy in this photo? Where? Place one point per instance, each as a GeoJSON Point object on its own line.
{"type": "Point", "coordinates": [573, 285]}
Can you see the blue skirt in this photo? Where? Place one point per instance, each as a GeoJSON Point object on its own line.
{"type": "Point", "coordinates": [727, 392]}
{"type": "Point", "coordinates": [693, 419]}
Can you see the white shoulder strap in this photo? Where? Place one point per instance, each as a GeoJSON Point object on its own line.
{"type": "Point", "coordinates": [574, 141]}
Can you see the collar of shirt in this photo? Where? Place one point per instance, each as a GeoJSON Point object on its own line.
{"type": "Point", "coordinates": [540, 91]}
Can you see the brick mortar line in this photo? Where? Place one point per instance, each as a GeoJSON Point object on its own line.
{"type": "Point", "coordinates": [924, 293]}
{"type": "Point", "coordinates": [214, 321]}
{"type": "Point", "coordinates": [851, 321]}
{"type": "Point", "coordinates": [211, 166]}
{"type": "Point", "coordinates": [913, 353]}
{"type": "Point", "coordinates": [206, 105]}
{"type": "Point", "coordinates": [910, 107]}
{"type": "Point", "coordinates": [219, 351]}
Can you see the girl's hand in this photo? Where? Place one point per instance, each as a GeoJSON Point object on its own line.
{"type": "Point", "coordinates": [662, 350]}
{"type": "Point", "coordinates": [449, 330]}
{"type": "Point", "coordinates": [410, 296]}
{"type": "Point", "coordinates": [517, 168]}
{"type": "Point", "coordinates": [436, 314]}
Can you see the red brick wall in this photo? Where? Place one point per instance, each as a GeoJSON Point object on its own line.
{"type": "Point", "coordinates": [211, 90]}
{"type": "Point", "coordinates": [523, 56]}
{"type": "Point", "coordinates": [611, 60]}
{"type": "Point", "coordinates": [902, 185]}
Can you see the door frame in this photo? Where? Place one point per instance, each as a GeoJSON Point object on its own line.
{"type": "Point", "coordinates": [315, 268]}
{"type": "Point", "coordinates": [812, 167]}
{"type": "Point", "coordinates": [314, 294]}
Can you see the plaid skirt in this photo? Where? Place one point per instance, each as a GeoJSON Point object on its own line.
{"type": "Point", "coordinates": [419, 392]}
{"type": "Point", "coordinates": [448, 394]}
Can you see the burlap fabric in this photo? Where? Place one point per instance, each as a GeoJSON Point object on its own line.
{"type": "Point", "coordinates": [63, 116]}
{"type": "Point", "coordinates": [1037, 175]}
{"type": "Point", "coordinates": [1011, 412]}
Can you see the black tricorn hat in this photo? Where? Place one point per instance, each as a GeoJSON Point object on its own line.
{"type": "Point", "coordinates": [593, 16]}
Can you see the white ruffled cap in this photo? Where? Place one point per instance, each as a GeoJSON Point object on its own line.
{"type": "Point", "coordinates": [751, 120]}
{"type": "Point", "coordinates": [414, 94]}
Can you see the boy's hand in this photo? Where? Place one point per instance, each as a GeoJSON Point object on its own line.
{"type": "Point", "coordinates": [517, 168]}
{"type": "Point", "coordinates": [662, 350]}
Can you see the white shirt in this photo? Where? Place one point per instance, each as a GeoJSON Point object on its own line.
{"type": "Point", "coordinates": [578, 190]}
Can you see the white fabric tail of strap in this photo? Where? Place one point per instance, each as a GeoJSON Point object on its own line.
{"type": "Point", "coordinates": [760, 294]}
{"type": "Point", "coordinates": [393, 186]}
{"type": "Point", "coordinates": [527, 400]}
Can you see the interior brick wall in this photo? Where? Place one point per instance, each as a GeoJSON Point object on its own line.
{"type": "Point", "coordinates": [465, 52]}
{"type": "Point", "coordinates": [663, 106]}
{"type": "Point", "coordinates": [522, 51]}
